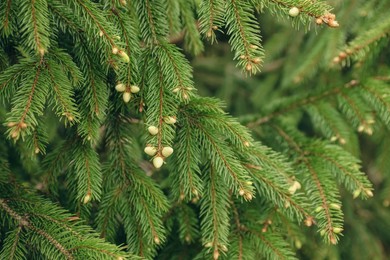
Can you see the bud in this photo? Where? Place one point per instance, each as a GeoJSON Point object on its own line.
{"type": "Point", "coordinates": [297, 185]}
{"type": "Point", "coordinates": [188, 238]}
{"type": "Point", "coordinates": [368, 130]}
{"type": "Point", "coordinates": [175, 90]}
{"type": "Point", "coordinates": [361, 128]}
{"type": "Point", "coordinates": [126, 97]}
{"type": "Point", "coordinates": [322, 232]}
{"type": "Point", "coordinates": [158, 162]}
{"type": "Point", "coordinates": [294, 12]}
{"type": "Point", "coordinates": [150, 150]}
{"type": "Point", "coordinates": [23, 125]}
{"type": "Point", "coordinates": [342, 55]}
{"type": "Point", "coordinates": [156, 240]}
{"type": "Point", "coordinates": [298, 244]}
{"type": "Point", "coordinates": [292, 189]}
{"type": "Point", "coordinates": [335, 206]}
{"type": "Point", "coordinates": [87, 198]}
{"type": "Point", "coordinates": [209, 244]}
{"type": "Point", "coordinates": [333, 24]}
{"type": "Point", "coordinates": [167, 151]}
{"type": "Point", "coordinates": [241, 192]}
{"type": "Point", "coordinates": [224, 248]}
{"type": "Point", "coordinates": [248, 67]}
{"type": "Point", "coordinates": [153, 130]}
{"type": "Point", "coordinates": [120, 87]}
{"type": "Point", "coordinates": [124, 56]}
{"type": "Point", "coordinates": [216, 254]}
{"type": "Point", "coordinates": [254, 47]}
{"type": "Point", "coordinates": [215, 27]}
{"type": "Point", "coordinates": [318, 209]}
{"type": "Point", "coordinates": [36, 151]}
{"type": "Point", "coordinates": [134, 89]}
{"type": "Point", "coordinates": [319, 21]}
{"type": "Point", "coordinates": [337, 230]}
{"type": "Point", "coordinates": [308, 221]}
{"type": "Point", "coordinates": [12, 124]}
{"type": "Point", "coordinates": [170, 120]}
{"type": "Point", "coordinates": [247, 144]}
{"type": "Point", "coordinates": [256, 60]}
{"type": "Point", "coordinates": [15, 134]}
{"type": "Point", "coordinates": [115, 50]}
{"type": "Point", "coordinates": [41, 51]}
{"type": "Point", "coordinates": [336, 59]}
{"type": "Point", "coordinates": [100, 33]}
{"type": "Point", "coordinates": [356, 193]}
{"type": "Point", "coordinates": [123, 2]}
{"type": "Point", "coordinates": [248, 196]}
{"type": "Point", "coordinates": [333, 240]}
{"type": "Point", "coordinates": [243, 57]}
{"type": "Point", "coordinates": [369, 193]}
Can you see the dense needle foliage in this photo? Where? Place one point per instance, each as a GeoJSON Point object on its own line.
{"type": "Point", "coordinates": [110, 152]}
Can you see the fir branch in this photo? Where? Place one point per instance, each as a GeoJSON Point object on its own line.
{"type": "Point", "coordinates": [357, 49]}
{"type": "Point", "coordinates": [377, 94]}
{"type": "Point", "coordinates": [238, 229]}
{"type": "Point", "coordinates": [28, 102]}
{"type": "Point", "coordinates": [185, 171]}
{"type": "Point", "coordinates": [10, 77]}
{"type": "Point", "coordinates": [214, 212]}
{"type": "Point", "coordinates": [345, 168]}
{"type": "Point", "coordinates": [12, 246]}
{"type": "Point", "coordinates": [23, 222]}
{"type": "Point", "coordinates": [188, 224]}
{"type": "Point", "coordinates": [351, 106]}
{"type": "Point", "coordinates": [35, 28]}
{"type": "Point", "coordinates": [173, 20]}
{"type": "Point", "coordinates": [128, 72]}
{"type": "Point", "coordinates": [87, 172]}
{"type": "Point", "coordinates": [318, 9]}
{"type": "Point", "coordinates": [211, 14]}
{"type": "Point", "coordinates": [6, 24]}
{"type": "Point", "coordinates": [192, 41]}
{"type": "Point", "coordinates": [62, 93]}
{"type": "Point", "coordinates": [268, 244]}
{"type": "Point", "coordinates": [179, 66]}
{"type": "Point", "coordinates": [153, 22]}
{"type": "Point", "coordinates": [243, 29]}
{"type": "Point", "coordinates": [51, 230]}
{"type": "Point", "coordinates": [227, 164]}
{"type": "Point", "coordinates": [324, 195]}
{"type": "Point", "coordinates": [329, 122]}
{"type": "Point", "coordinates": [93, 16]}
{"type": "Point", "coordinates": [277, 193]}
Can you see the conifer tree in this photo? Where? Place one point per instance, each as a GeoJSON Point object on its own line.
{"type": "Point", "coordinates": [109, 151]}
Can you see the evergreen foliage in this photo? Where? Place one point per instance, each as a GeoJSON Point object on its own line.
{"type": "Point", "coordinates": [109, 152]}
